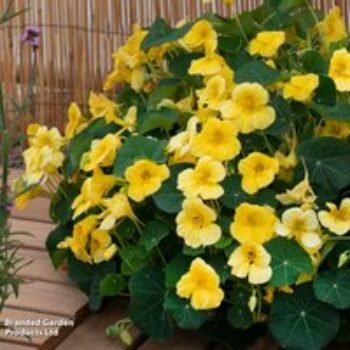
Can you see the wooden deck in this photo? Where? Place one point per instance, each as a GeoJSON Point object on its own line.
{"type": "Point", "coordinates": [50, 297]}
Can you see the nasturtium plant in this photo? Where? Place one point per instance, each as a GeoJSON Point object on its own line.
{"type": "Point", "coordinates": [209, 182]}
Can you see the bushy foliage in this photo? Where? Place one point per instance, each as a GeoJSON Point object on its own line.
{"type": "Point", "coordinates": [213, 186]}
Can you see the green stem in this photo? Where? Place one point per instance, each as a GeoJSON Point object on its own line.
{"type": "Point", "coordinates": [239, 24]}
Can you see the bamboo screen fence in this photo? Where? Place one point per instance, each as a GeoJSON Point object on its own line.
{"type": "Point", "coordinates": [78, 38]}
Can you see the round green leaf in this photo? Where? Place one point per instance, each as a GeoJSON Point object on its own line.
{"type": "Point", "coordinates": [300, 321]}
{"type": "Point", "coordinates": [138, 147]}
{"type": "Point", "coordinates": [328, 162]}
{"type": "Point", "coordinates": [163, 118]}
{"type": "Point", "coordinates": [147, 292]}
{"type": "Point", "coordinates": [112, 284]}
{"type": "Point", "coordinates": [160, 33]}
{"type": "Point", "coordinates": [333, 287]}
{"type": "Point", "coordinates": [288, 261]}
{"type": "Point", "coordinates": [240, 316]}
{"type": "Point", "coordinates": [153, 233]}
{"type": "Point", "coordinates": [181, 310]}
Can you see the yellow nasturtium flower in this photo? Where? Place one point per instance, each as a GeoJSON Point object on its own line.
{"type": "Point", "coordinates": [208, 65]}
{"type": "Point", "coordinates": [203, 180]}
{"type": "Point", "coordinates": [336, 219]}
{"type": "Point", "coordinates": [78, 242]}
{"type": "Point", "coordinates": [301, 224]}
{"type": "Point", "coordinates": [89, 244]}
{"type": "Point", "coordinates": [266, 44]}
{"type": "Point", "coordinates": [217, 139]}
{"type": "Point", "coordinates": [40, 163]}
{"type": "Point", "coordinates": [333, 128]}
{"type": "Point", "coordinates": [213, 94]}
{"type": "Point", "coordinates": [258, 171]}
{"type": "Point", "coordinates": [333, 27]}
{"type": "Point", "coordinates": [301, 194]}
{"type": "Point", "coordinates": [92, 191]}
{"type": "Point", "coordinates": [301, 87]}
{"type": "Point", "coordinates": [253, 261]}
{"type": "Point", "coordinates": [145, 177]}
{"type": "Point", "coordinates": [75, 122]}
{"type": "Point", "coordinates": [41, 136]}
{"type": "Point", "coordinates": [25, 196]}
{"type": "Point", "coordinates": [117, 208]}
{"type": "Point", "coordinates": [248, 108]}
{"type": "Point", "coordinates": [196, 224]}
{"type": "Point", "coordinates": [339, 69]}
{"type": "Point", "coordinates": [102, 153]}
{"type": "Point", "coordinates": [101, 246]}
{"type": "Point", "coordinates": [201, 284]}
{"type": "Point", "coordinates": [253, 223]}
{"type": "Point", "coordinates": [201, 35]}
{"type": "Point", "coordinates": [101, 107]}
{"type": "Point", "coordinates": [180, 145]}
{"type": "Point", "coordinates": [130, 119]}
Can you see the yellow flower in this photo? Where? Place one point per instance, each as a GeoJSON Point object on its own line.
{"type": "Point", "coordinates": [78, 242]}
{"type": "Point", "coordinates": [213, 94]}
{"type": "Point", "coordinates": [301, 87]}
{"type": "Point", "coordinates": [131, 54]}
{"type": "Point", "coordinates": [258, 171]}
{"type": "Point", "coordinates": [217, 139]}
{"type": "Point", "coordinates": [117, 208]}
{"type": "Point", "coordinates": [333, 27]}
{"type": "Point", "coordinates": [301, 224]}
{"type": "Point", "coordinates": [208, 65]}
{"type": "Point", "coordinates": [301, 194]}
{"type": "Point", "coordinates": [253, 223]}
{"type": "Point", "coordinates": [92, 191]}
{"type": "Point", "coordinates": [195, 224]}
{"type": "Point", "coordinates": [201, 35]}
{"type": "Point", "coordinates": [253, 261]}
{"type": "Point", "coordinates": [101, 246]}
{"type": "Point", "coordinates": [41, 136]}
{"type": "Point", "coordinates": [102, 153]}
{"type": "Point", "coordinates": [76, 121]}
{"type": "Point", "coordinates": [180, 145]}
{"type": "Point", "coordinates": [333, 128]}
{"type": "Point", "coordinates": [201, 284]}
{"type": "Point", "coordinates": [130, 119]}
{"type": "Point", "coordinates": [266, 44]}
{"type": "Point", "coordinates": [336, 220]}
{"type": "Point", "coordinates": [101, 107]}
{"type": "Point", "coordinates": [40, 163]}
{"type": "Point", "coordinates": [339, 69]}
{"type": "Point", "coordinates": [248, 109]}
{"type": "Point", "coordinates": [89, 244]}
{"type": "Point", "coordinates": [145, 177]}
{"type": "Point", "coordinates": [203, 180]}
{"type": "Point", "coordinates": [204, 114]}
{"type": "Point", "coordinates": [24, 194]}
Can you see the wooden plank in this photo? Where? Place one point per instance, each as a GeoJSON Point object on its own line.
{"type": "Point", "coordinates": [38, 231]}
{"type": "Point", "coordinates": [90, 335]}
{"type": "Point", "coordinates": [9, 346]}
{"type": "Point", "coordinates": [40, 267]}
{"type": "Point", "coordinates": [56, 299]}
{"type": "Point", "coordinates": [45, 335]}
{"type": "Point", "coordinates": [181, 341]}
